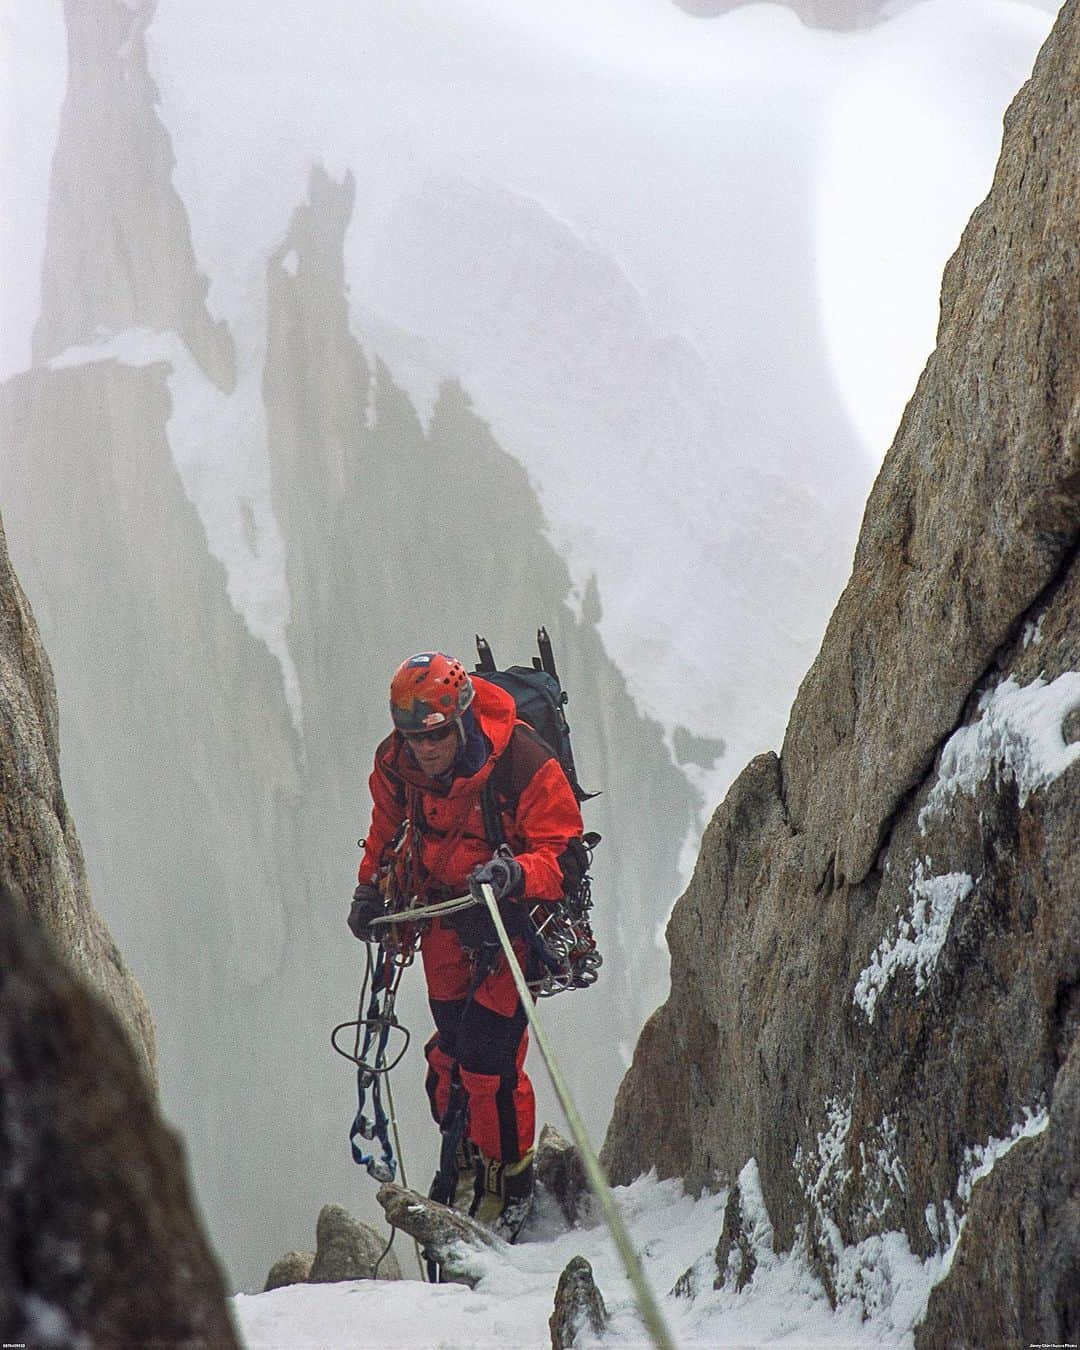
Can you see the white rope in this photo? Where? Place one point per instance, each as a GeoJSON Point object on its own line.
{"type": "Point", "coordinates": [643, 1294]}
{"type": "Point", "coordinates": [425, 911]}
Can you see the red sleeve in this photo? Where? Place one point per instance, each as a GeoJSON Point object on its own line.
{"type": "Point", "coordinates": [547, 818]}
{"type": "Point", "coordinates": [387, 813]}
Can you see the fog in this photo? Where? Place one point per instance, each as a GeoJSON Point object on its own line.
{"type": "Point", "coordinates": [338, 333]}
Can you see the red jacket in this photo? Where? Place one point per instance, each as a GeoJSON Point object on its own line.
{"type": "Point", "coordinates": [538, 825]}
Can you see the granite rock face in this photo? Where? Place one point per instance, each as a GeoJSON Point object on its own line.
{"type": "Point", "coordinates": [876, 967]}
{"type": "Point", "coordinates": [41, 861]}
{"type": "Point", "coordinates": [99, 1243]}
{"type": "Point", "coordinates": [973, 515]}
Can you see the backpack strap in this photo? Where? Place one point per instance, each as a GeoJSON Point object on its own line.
{"type": "Point", "coordinates": [512, 773]}
{"type": "Point", "coordinates": [386, 757]}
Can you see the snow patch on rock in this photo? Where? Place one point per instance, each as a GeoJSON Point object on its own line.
{"type": "Point", "coordinates": [216, 437]}
{"type": "Point", "coordinates": [883, 1172]}
{"type": "Point", "coordinates": [980, 1160]}
{"type": "Point", "coordinates": [822, 1174]}
{"type": "Point", "coordinates": [755, 1213]}
{"type": "Point", "coordinates": [918, 940]}
{"type": "Point", "coordinates": [943, 1222]}
{"type": "Point", "coordinates": [1033, 631]}
{"type": "Point", "coordinates": [1018, 737]}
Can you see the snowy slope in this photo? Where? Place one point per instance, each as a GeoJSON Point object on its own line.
{"type": "Point", "coordinates": [676, 1237]}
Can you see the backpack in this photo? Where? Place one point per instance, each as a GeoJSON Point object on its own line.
{"type": "Point", "coordinates": [562, 941]}
{"type": "Point", "coordinates": [540, 700]}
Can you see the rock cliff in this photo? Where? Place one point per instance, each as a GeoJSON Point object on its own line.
{"type": "Point", "coordinates": [876, 968]}
{"type": "Point", "coordinates": [99, 1243]}
{"type": "Point", "coordinates": [99, 1233]}
{"type": "Point", "coordinates": [41, 862]}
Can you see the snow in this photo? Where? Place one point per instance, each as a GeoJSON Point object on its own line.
{"type": "Point", "coordinates": [822, 1183]}
{"type": "Point", "coordinates": [980, 1160]}
{"type": "Point", "coordinates": [1018, 737]}
{"type": "Point", "coordinates": [676, 1236]}
{"type": "Point", "coordinates": [918, 940]}
{"type": "Point", "coordinates": [883, 1172]}
{"type": "Point", "coordinates": [755, 1215]}
{"type": "Point", "coordinates": [208, 433]}
{"type": "Point", "coordinates": [1033, 631]}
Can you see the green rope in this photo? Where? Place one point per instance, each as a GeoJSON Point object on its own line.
{"type": "Point", "coordinates": [643, 1294]}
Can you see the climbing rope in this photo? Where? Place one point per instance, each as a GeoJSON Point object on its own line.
{"type": "Point", "coordinates": [598, 1182]}
{"type": "Point", "coordinates": [643, 1294]}
{"type": "Point", "coordinates": [425, 911]}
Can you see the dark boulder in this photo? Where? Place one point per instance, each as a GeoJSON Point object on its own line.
{"type": "Point", "coordinates": [560, 1171]}
{"type": "Point", "coordinates": [99, 1242]}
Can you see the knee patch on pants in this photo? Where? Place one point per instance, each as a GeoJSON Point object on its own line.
{"type": "Point", "coordinates": [491, 1055]}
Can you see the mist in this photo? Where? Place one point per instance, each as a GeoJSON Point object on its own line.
{"type": "Point", "coordinates": [335, 334]}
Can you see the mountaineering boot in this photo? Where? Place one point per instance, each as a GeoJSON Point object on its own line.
{"type": "Point", "coordinates": [503, 1195]}
{"type": "Point", "coordinates": [467, 1159]}
{"type": "Point", "coordinates": [517, 1182]}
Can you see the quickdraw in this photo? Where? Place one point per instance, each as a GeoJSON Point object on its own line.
{"type": "Point", "coordinates": [373, 1027]}
{"type": "Point", "coordinates": [560, 935]}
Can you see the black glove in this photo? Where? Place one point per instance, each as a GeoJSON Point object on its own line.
{"type": "Point", "coordinates": [503, 875]}
{"type": "Point", "coordinates": [367, 904]}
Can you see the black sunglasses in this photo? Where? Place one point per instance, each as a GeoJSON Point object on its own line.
{"type": "Point", "coordinates": [435, 734]}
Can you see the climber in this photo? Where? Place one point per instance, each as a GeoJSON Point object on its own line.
{"type": "Point", "coordinates": [430, 835]}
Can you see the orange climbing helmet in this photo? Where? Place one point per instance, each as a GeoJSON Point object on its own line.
{"type": "Point", "coordinates": [429, 690]}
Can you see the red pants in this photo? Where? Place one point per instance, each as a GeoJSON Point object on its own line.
{"type": "Point", "coordinates": [483, 1038]}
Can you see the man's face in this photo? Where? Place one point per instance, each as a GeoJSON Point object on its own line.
{"type": "Point", "coordinates": [435, 751]}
